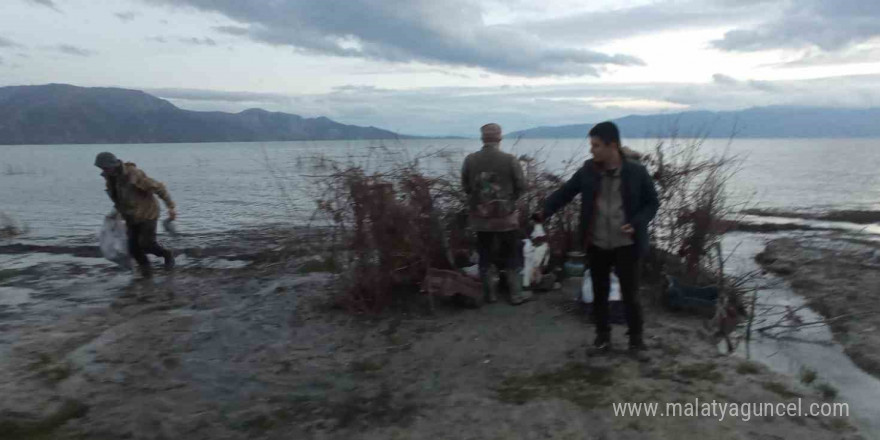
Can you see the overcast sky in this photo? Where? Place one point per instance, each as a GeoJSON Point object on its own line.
{"type": "Point", "coordinates": [448, 66]}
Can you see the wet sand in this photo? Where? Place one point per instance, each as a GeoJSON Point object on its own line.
{"type": "Point", "coordinates": [242, 341]}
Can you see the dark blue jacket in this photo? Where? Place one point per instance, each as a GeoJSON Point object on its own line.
{"type": "Point", "coordinates": [639, 197]}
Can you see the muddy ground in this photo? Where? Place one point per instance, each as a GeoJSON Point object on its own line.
{"type": "Point", "coordinates": [839, 275]}
{"type": "Point", "coordinates": [239, 344]}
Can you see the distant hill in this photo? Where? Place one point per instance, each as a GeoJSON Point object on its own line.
{"type": "Point", "coordinates": [64, 114]}
{"type": "Point", "coordinates": [758, 122]}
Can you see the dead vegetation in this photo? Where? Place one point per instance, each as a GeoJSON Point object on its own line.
{"type": "Point", "coordinates": [691, 187]}
{"type": "Point", "coordinates": [394, 221]}
{"type": "Point", "coordinates": [391, 216]}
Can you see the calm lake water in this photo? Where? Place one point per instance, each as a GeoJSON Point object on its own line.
{"type": "Point", "coordinates": [57, 192]}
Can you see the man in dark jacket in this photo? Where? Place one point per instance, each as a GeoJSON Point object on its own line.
{"type": "Point", "coordinates": [493, 181]}
{"type": "Point", "coordinates": [133, 195]}
{"type": "Point", "coordinates": [618, 201]}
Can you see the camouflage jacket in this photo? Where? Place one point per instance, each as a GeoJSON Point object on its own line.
{"type": "Point", "coordinates": [132, 194]}
{"type": "Point", "coordinates": [493, 181]}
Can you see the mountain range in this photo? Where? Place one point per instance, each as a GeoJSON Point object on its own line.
{"type": "Point", "coordinates": [757, 122]}
{"type": "Point", "coordinates": [65, 114]}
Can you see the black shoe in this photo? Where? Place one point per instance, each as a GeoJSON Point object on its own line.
{"type": "Point", "coordinates": [169, 259]}
{"type": "Point", "coordinates": [638, 350]}
{"type": "Point", "coordinates": [602, 342]}
{"type": "Point", "coordinates": [146, 272]}
{"type": "Point", "coordinates": [637, 344]}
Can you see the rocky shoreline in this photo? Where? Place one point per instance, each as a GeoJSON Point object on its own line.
{"type": "Point", "coordinates": [243, 341]}
{"type": "Point", "coordinates": [861, 217]}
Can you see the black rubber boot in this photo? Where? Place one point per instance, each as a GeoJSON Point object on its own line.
{"type": "Point", "coordinates": [602, 342]}
{"type": "Point", "coordinates": [514, 285]}
{"type": "Point", "coordinates": [169, 259]}
{"type": "Point", "coordinates": [636, 343]}
{"type": "Point", "coordinates": [489, 280]}
{"type": "Point", "coordinates": [146, 271]}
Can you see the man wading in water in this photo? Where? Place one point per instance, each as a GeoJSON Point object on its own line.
{"type": "Point", "coordinates": [618, 201]}
{"type": "Point", "coordinates": [493, 181]}
{"type": "Point", "coordinates": [132, 192]}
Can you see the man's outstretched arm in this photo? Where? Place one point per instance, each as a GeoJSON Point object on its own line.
{"type": "Point", "coordinates": [562, 196]}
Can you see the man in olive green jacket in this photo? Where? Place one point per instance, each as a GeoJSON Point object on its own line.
{"type": "Point", "coordinates": [132, 193]}
{"type": "Point", "coordinates": [493, 181]}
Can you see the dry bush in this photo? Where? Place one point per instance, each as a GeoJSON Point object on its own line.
{"type": "Point", "coordinates": [395, 216]}
{"type": "Point", "coordinates": [694, 210]}
{"type": "Point", "coordinates": [694, 214]}
{"type": "Point", "coordinates": [394, 220]}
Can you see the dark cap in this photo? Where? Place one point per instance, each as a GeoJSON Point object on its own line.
{"type": "Point", "coordinates": [106, 160]}
{"type": "Point", "coordinates": [491, 133]}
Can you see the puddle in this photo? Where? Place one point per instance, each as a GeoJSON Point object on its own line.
{"type": "Point", "coordinates": [217, 263]}
{"type": "Point", "coordinates": [811, 347]}
{"type": "Point", "coordinates": [25, 261]}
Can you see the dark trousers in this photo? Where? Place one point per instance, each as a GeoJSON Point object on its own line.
{"type": "Point", "coordinates": [625, 262]}
{"type": "Point", "coordinates": [499, 249]}
{"type": "Point", "coordinates": [142, 241]}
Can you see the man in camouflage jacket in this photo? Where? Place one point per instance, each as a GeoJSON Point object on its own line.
{"type": "Point", "coordinates": [493, 181]}
{"type": "Point", "coordinates": [133, 195]}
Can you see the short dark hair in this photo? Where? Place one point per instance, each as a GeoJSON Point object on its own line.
{"type": "Point", "coordinates": [606, 131]}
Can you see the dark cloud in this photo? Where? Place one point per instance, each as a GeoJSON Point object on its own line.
{"type": "Point", "coordinates": [450, 32]}
{"type": "Point", "coordinates": [829, 25]}
{"type": "Point", "coordinates": [7, 43]}
{"type": "Point", "coordinates": [407, 70]}
{"type": "Point", "coordinates": [722, 79]}
{"type": "Point", "coordinates": [198, 41]}
{"type": "Point", "coordinates": [126, 16]}
{"type": "Point", "coordinates": [608, 25]}
{"type": "Point", "coordinates": [238, 31]}
{"type": "Point", "coordinates": [73, 50]}
{"type": "Point", "coordinates": [454, 32]}
{"type": "Point", "coordinates": [47, 3]}
{"type": "Point", "coordinates": [767, 86]}
{"type": "Point", "coordinates": [195, 41]}
{"type": "Point", "coordinates": [730, 82]}
{"type": "Point", "coordinates": [843, 57]}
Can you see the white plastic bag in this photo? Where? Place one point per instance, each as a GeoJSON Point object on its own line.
{"type": "Point", "coordinates": [534, 257]}
{"type": "Point", "coordinates": [587, 289]}
{"type": "Point", "coordinates": [472, 271]}
{"type": "Point", "coordinates": [113, 240]}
